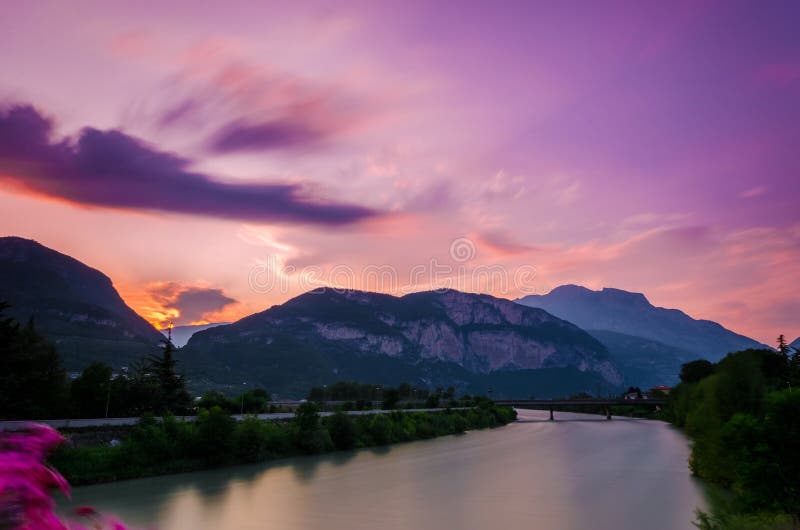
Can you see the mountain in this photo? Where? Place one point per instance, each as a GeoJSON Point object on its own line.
{"type": "Point", "coordinates": [796, 343]}
{"type": "Point", "coordinates": [182, 334]}
{"type": "Point", "coordinates": [71, 304]}
{"type": "Point", "coordinates": [472, 341]}
{"type": "Point", "coordinates": [649, 343]}
{"type": "Point", "coordinates": [632, 314]}
{"type": "Point", "coordinates": [643, 362]}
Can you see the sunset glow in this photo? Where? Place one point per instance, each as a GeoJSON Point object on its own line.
{"type": "Point", "coordinates": [185, 149]}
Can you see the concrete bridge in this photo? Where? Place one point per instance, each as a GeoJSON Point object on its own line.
{"type": "Point", "coordinates": [549, 404]}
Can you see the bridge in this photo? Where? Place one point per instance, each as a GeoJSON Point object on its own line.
{"type": "Point", "coordinates": [549, 404]}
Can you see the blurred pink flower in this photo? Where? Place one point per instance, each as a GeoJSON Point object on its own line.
{"type": "Point", "coordinates": [26, 482]}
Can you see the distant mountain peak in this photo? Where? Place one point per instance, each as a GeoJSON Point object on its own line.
{"type": "Point", "coordinates": [626, 296]}
{"type": "Point", "coordinates": [182, 334]}
{"type": "Point", "coordinates": [632, 314]}
{"type": "Point", "coordinates": [606, 293]}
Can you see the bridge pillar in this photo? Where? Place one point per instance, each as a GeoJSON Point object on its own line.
{"type": "Point", "coordinates": [551, 413]}
{"type": "Point", "coordinates": [608, 412]}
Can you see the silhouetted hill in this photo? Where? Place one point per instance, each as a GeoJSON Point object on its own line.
{"type": "Point", "coordinates": [632, 314]}
{"type": "Point", "coordinates": [471, 341]}
{"type": "Point", "coordinates": [72, 304]}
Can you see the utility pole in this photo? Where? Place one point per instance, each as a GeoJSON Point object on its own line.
{"type": "Point", "coordinates": [108, 394]}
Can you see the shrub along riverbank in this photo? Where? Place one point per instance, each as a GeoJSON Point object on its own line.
{"type": "Point", "coordinates": [216, 439]}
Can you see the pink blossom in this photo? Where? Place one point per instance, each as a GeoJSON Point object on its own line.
{"type": "Point", "coordinates": [26, 482]}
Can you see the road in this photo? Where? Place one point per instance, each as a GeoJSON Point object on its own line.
{"type": "Point", "coordinates": [115, 422]}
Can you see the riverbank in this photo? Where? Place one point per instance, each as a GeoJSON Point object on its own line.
{"type": "Point", "coordinates": [216, 439]}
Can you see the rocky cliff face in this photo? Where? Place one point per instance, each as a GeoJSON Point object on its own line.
{"type": "Point", "coordinates": [479, 333]}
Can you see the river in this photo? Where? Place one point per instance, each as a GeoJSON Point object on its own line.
{"type": "Point", "coordinates": [579, 472]}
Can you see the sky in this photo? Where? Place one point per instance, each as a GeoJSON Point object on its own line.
{"type": "Point", "coordinates": [215, 159]}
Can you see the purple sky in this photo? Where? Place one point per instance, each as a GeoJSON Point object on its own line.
{"type": "Point", "coordinates": [649, 146]}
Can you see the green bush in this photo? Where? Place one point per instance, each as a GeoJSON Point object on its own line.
{"type": "Point", "coordinates": [459, 424]}
{"type": "Point", "coordinates": [380, 429]}
{"type": "Point", "coordinates": [148, 444]}
{"type": "Point", "coordinates": [342, 431]}
{"type": "Point", "coordinates": [157, 447]}
{"type": "Point", "coordinates": [84, 465]}
{"type": "Point", "coordinates": [250, 440]}
{"type": "Point", "coordinates": [215, 429]}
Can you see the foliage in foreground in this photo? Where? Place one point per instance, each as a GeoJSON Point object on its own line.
{"type": "Point", "coordinates": [170, 446]}
{"type": "Point", "coordinates": [744, 419]}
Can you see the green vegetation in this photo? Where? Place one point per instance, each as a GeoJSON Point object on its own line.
{"type": "Point", "coordinates": [32, 382]}
{"type": "Point", "coordinates": [154, 448]}
{"type": "Point", "coordinates": [34, 385]}
{"type": "Point", "coordinates": [255, 401]}
{"type": "Point", "coordinates": [744, 419]}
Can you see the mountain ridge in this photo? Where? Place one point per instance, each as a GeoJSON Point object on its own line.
{"type": "Point", "coordinates": [74, 305]}
{"type": "Point", "coordinates": [471, 333]}
{"type": "Point", "coordinates": [632, 314]}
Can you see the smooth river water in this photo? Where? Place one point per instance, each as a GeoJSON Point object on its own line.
{"type": "Point", "coordinates": [580, 472]}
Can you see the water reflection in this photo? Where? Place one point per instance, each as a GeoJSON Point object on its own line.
{"type": "Point", "coordinates": [534, 474]}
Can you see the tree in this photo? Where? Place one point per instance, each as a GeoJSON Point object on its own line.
{"type": "Point", "coordinates": [391, 396]}
{"type": "Point", "coordinates": [695, 371]}
{"type": "Point", "coordinates": [783, 347]}
{"type": "Point", "coordinates": [794, 367]}
{"type": "Point", "coordinates": [172, 394]}
{"type": "Point", "coordinates": [765, 454]}
{"type": "Point", "coordinates": [254, 401]}
{"type": "Point", "coordinates": [213, 398]}
{"type": "Point", "coordinates": [33, 384]}
{"type": "Point", "coordinates": [310, 436]}
{"type": "Point", "coordinates": [634, 390]}
{"type": "Point", "coordinates": [141, 392]}
{"type": "Point", "coordinates": [91, 391]}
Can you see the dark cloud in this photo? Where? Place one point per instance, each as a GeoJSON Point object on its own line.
{"type": "Point", "coordinates": [276, 134]}
{"type": "Point", "coordinates": [193, 303]}
{"type": "Point", "coordinates": [110, 168]}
